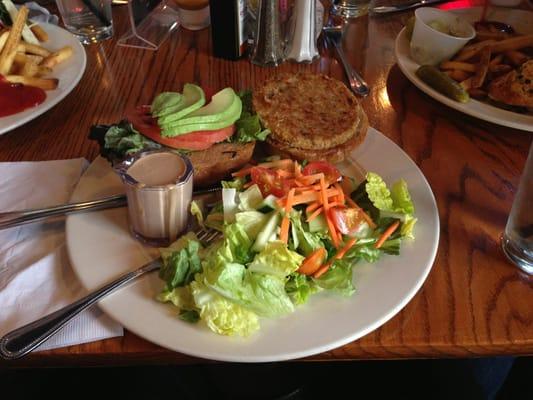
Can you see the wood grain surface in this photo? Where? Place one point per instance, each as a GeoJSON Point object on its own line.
{"type": "Point", "coordinates": [474, 301]}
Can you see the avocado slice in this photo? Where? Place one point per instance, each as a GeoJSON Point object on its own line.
{"type": "Point", "coordinates": [225, 105]}
{"type": "Point", "coordinates": [165, 103]}
{"type": "Point", "coordinates": [193, 98]}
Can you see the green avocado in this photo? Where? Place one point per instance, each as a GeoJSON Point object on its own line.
{"type": "Point", "coordinates": [225, 108]}
{"type": "Point", "coordinates": [192, 99]}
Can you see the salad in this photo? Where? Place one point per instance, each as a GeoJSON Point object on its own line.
{"type": "Point", "coordinates": [290, 230]}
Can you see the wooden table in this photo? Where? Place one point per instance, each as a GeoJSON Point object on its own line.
{"type": "Point", "coordinates": [474, 301]}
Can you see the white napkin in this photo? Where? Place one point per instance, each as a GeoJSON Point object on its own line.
{"type": "Point", "coordinates": [35, 275]}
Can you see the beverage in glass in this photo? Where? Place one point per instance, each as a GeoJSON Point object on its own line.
{"type": "Point", "coordinates": [517, 240]}
{"type": "Point", "coordinates": [193, 14]}
{"type": "Point", "coordinates": [350, 8]}
{"type": "Point", "coordinates": [89, 20]}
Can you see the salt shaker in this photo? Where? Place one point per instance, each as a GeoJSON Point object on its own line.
{"type": "Point", "coordinates": [301, 45]}
{"type": "Point", "coordinates": [268, 49]}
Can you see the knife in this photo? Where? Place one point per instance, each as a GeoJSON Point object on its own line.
{"type": "Point", "coordinates": [380, 10]}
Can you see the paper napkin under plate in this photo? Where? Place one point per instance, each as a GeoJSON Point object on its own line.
{"type": "Point", "coordinates": [35, 275]}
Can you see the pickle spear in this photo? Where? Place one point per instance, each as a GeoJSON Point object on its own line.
{"type": "Point", "coordinates": [442, 83]}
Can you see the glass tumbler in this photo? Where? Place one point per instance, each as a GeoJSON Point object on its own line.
{"type": "Point", "coordinates": [350, 8]}
{"type": "Point", "coordinates": [517, 240]}
{"type": "Point", "coordinates": [89, 20]}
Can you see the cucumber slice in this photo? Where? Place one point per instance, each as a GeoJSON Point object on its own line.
{"type": "Point", "coordinates": [318, 224]}
{"type": "Point", "coordinates": [265, 235]}
{"type": "Point", "coordinates": [268, 205]}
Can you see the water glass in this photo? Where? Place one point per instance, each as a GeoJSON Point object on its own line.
{"type": "Point", "coordinates": [350, 8]}
{"type": "Point", "coordinates": [517, 240]}
{"type": "Point", "coordinates": [89, 20]}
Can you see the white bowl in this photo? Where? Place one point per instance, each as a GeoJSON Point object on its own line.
{"type": "Point", "coordinates": [430, 46]}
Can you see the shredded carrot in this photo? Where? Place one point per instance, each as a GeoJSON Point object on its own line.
{"type": "Point", "coordinates": [312, 207]}
{"type": "Point", "coordinates": [323, 193]}
{"type": "Point", "coordinates": [340, 254]}
{"type": "Point", "coordinates": [284, 174]}
{"type": "Point", "coordinates": [284, 229]}
{"type": "Point", "coordinates": [340, 196]}
{"type": "Point", "coordinates": [313, 261]}
{"type": "Point", "coordinates": [317, 212]}
{"type": "Point", "coordinates": [247, 185]}
{"type": "Point", "coordinates": [385, 235]}
{"type": "Point", "coordinates": [297, 169]}
{"type": "Point", "coordinates": [290, 198]}
{"type": "Point", "coordinates": [309, 179]}
{"type": "Point", "coordinates": [242, 172]}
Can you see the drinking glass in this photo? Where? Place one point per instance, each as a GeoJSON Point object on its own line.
{"type": "Point", "coordinates": [350, 8]}
{"type": "Point", "coordinates": [517, 240]}
{"type": "Point", "coordinates": [89, 20]}
{"type": "Point", "coordinates": [193, 14]}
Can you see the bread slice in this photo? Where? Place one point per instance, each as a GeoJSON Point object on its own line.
{"type": "Point", "coordinates": [218, 161]}
{"type": "Point", "coordinates": [309, 111]}
{"type": "Point", "coordinates": [514, 88]}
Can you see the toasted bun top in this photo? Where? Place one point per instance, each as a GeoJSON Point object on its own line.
{"type": "Point", "coordinates": [309, 111]}
{"type": "Point", "coordinates": [515, 87]}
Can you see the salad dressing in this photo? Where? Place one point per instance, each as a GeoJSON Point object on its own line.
{"type": "Point", "coordinates": [159, 187]}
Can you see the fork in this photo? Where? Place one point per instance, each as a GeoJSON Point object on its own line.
{"type": "Point", "coordinates": [358, 85]}
{"type": "Point", "coordinates": [23, 340]}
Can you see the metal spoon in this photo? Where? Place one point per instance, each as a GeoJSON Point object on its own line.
{"type": "Point", "coordinates": [358, 85]}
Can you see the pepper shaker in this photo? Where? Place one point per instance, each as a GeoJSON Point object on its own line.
{"type": "Point", "coordinates": [302, 40]}
{"type": "Point", "coordinates": [268, 50]}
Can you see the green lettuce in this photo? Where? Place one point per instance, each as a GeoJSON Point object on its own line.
{"type": "Point", "coordinates": [191, 316]}
{"type": "Point", "coordinates": [306, 242]}
{"type": "Point", "coordinates": [181, 297]}
{"type": "Point", "coordinates": [250, 199]}
{"type": "Point", "coordinates": [299, 287]}
{"type": "Point", "coordinates": [180, 264]}
{"type": "Point", "coordinates": [248, 127]}
{"type": "Point", "coordinates": [251, 221]}
{"type": "Point", "coordinates": [276, 259]}
{"type": "Point", "coordinates": [338, 278]}
{"type": "Point", "coordinates": [122, 139]}
{"type": "Point", "coordinates": [238, 243]}
{"type": "Point", "coordinates": [196, 211]}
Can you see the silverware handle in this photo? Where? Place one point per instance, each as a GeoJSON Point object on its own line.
{"type": "Point", "coordinates": [15, 218]}
{"type": "Point", "coordinates": [21, 341]}
{"type": "Point", "coordinates": [403, 7]}
{"type": "Point", "coordinates": [357, 83]}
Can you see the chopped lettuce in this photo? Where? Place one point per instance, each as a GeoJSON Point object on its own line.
{"type": "Point", "coordinates": [306, 241]}
{"type": "Point", "coordinates": [401, 199]}
{"type": "Point", "coordinates": [299, 287]}
{"type": "Point", "coordinates": [229, 202]}
{"type": "Point", "coordinates": [180, 264]}
{"type": "Point", "coordinates": [196, 211]}
{"type": "Point", "coordinates": [248, 125]}
{"type": "Point", "coordinates": [251, 221]}
{"type": "Point", "coordinates": [276, 259]}
{"type": "Point", "coordinates": [338, 278]}
{"type": "Point", "coordinates": [237, 183]}
{"type": "Point", "coordinates": [191, 316]}
{"type": "Point", "coordinates": [238, 242]}
{"type": "Point", "coordinates": [181, 297]}
{"type": "Point", "coordinates": [250, 199]}
{"type": "Point", "coordinates": [227, 318]}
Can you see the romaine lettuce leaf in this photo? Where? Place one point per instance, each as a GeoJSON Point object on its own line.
{"type": "Point", "coordinates": [299, 287]}
{"type": "Point", "coordinates": [227, 318]}
{"type": "Point", "coordinates": [248, 125]}
{"type": "Point", "coordinates": [180, 264]}
{"type": "Point", "coordinates": [122, 139]}
{"type": "Point", "coordinates": [181, 297]}
{"type": "Point", "coordinates": [251, 221]}
{"type": "Point", "coordinates": [276, 259]}
{"type": "Point", "coordinates": [238, 242]}
{"type": "Point", "coordinates": [250, 199]}
{"type": "Point", "coordinates": [401, 199]}
{"type": "Point", "coordinates": [338, 278]}
{"type": "Point", "coordinates": [306, 242]}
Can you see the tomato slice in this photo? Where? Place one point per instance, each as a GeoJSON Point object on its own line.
{"type": "Point", "coordinates": [331, 173]}
{"type": "Point", "coordinates": [346, 220]}
{"type": "Point", "coordinates": [269, 182]}
{"type": "Point", "coordinates": [199, 140]}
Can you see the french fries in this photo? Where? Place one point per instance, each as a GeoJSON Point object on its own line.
{"type": "Point", "coordinates": [27, 63]}
{"type": "Point", "coordinates": [490, 55]}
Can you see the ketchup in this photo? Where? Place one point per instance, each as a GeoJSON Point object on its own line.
{"type": "Point", "coordinates": [15, 97]}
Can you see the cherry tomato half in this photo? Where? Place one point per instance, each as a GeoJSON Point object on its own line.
{"type": "Point", "coordinates": [331, 173]}
{"type": "Point", "coordinates": [269, 182]}
{"type": "Point", "coordinates": [347, 220]}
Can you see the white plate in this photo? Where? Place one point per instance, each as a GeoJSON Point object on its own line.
{"type": "Point", "coordinates": [521, 21]}
{"type": "Point", "coordinates": [69, 74]}
{"type": "Point", "coordinates": [101, 248]}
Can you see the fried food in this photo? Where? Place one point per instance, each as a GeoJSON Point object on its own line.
{"type": "Point", "coordinates": [497, 68]}
{"type": "Point", "coordinates": [515, 87]}
{"type": "Point", "coordinates": [28, 63]}
{"type": "Point", "coordinates": [7, 55]}
{"type": "Point", "coordinates": [310, 116]}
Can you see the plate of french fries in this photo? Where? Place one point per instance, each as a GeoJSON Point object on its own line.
{"type": "Point", "coordinates": [486, 67]}
{"type": "Point", "coordinates": [39, 55]}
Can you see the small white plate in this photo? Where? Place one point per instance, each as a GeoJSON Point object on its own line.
{"type": "Point", "coordinates": [520, 20]}
{"type": "Point", "coordinates": [69, 74]}
{"type": "Point", "coordinates": [101, 248]}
